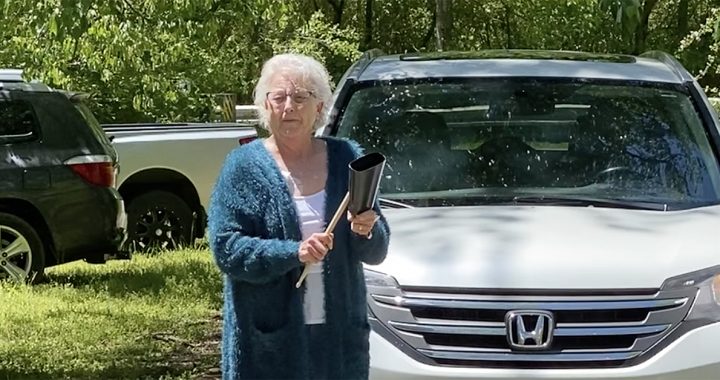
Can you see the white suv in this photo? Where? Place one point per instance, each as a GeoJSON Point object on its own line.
{"type": "Point", "coordinates": [553, 215]}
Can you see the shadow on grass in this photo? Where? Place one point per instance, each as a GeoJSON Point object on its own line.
{"type": "Point", "coordinates": [157, 355]}
{"type": "Point", "coordinates": [164, 348]}
{"type": "Point", "coordinates": [201, 276]}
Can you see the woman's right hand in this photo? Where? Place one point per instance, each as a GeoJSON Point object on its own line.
{"type": "Point", "coordinates": [315, 248]}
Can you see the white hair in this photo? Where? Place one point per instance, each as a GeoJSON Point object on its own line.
{"type": "Point", "coordinates": [307, 69]}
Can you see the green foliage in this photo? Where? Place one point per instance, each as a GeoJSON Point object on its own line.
{"type": "Point", "coordinates": [537, 24]}
{"type": "Point", "coordinates": [703, 44]}
{"type": "Point", "coordinates": [335, 47]}
{"type": "Point", "coordinates": [139, 61]}
{"type": "Point", "coordinates": [148, 60]}
{"type": "Point", "coordinates": [716, 104]}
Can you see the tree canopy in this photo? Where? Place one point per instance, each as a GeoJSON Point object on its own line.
{"type": "Point", "coordinates": [162, 60]}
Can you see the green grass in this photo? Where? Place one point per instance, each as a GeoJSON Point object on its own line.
{"type": "Point", "coordinates": [153, 317]}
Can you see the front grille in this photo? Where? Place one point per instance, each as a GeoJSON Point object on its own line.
{"type": "Point", "coordinates": [470, 329]}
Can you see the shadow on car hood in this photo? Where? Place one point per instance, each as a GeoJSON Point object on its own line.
{"type": "Point", "coordinates": [548, 247]}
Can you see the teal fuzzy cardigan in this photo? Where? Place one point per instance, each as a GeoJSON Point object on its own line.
{"type": "Point", "coordinates": [255, 235]}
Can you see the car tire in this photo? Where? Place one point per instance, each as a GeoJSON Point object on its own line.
{"type": "Point", "coordinates": [158, 220]}
{"type": "Point", "coordinates": [16, 231]}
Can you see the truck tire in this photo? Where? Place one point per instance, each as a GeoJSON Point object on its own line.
{"type": "Point", "coordinates": [158, 220]}
{"type": "Point", "coordinates": [22, 254]}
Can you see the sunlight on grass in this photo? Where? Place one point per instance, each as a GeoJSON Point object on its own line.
{"type": "Point", "coordinates": [124, 319]}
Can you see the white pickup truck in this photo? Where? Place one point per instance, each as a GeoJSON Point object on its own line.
{"type": "Point", "coordinates": [166, 175]}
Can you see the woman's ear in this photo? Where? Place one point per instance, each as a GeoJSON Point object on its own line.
{"type": "Point", "coordinates": [319, 107]}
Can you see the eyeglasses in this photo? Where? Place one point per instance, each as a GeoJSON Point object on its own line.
{"type": "Point", "coordinates": [279, 97]}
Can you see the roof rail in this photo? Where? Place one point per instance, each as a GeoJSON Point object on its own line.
{"type": "Point", "coordinates": [671, 62]}
{"type": "Point", "coordinates": [362, 63]}
{"type": "Point", "coordinates": [11, 75]}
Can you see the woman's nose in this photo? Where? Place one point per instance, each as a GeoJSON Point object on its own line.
{"type": "Point", "coordinates": [289, 104]}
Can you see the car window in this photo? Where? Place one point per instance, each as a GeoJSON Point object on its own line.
{"type": "Point", "coordinates": [17, 121]}
{"type": "Point", "coordinates": [460, 142]}
{"type": "Point", "coordinates": [90, 119]}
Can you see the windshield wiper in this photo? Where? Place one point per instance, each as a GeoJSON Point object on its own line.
{"type": "Point", "coordinates": [392, 204]}
{"type": "Point", "coordinates": [582, 201]}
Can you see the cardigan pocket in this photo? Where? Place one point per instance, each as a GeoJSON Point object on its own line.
{"type": "Point", "coordinates": [270, 305]}
{"type": "Point", "coordinates": [356, 361]}
{"type": "Point", "coordinates": [273, 355]}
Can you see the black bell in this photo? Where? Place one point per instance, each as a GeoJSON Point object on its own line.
{"type": "Point", "coordinates": [365, 175]}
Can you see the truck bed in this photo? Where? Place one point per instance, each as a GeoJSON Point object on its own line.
{"type": "Point", "coordinates": [123, 130]}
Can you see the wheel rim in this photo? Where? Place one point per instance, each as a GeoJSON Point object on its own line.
{"type": "Point", "coordinates": [15, 255]}
{"type": "Point", "coordinates": [158, 228]}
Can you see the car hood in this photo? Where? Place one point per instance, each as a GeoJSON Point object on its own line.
{"type": "Point", "coordinates": [548, 247]}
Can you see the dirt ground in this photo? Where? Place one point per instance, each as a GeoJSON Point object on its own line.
{"type": "Point", "coordinates": [200, 358]}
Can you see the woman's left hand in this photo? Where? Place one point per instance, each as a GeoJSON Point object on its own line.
{"type": "Point", "coordinates": [362, 224]}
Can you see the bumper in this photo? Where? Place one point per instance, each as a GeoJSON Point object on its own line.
{"type": "Point", "coordinates": [695, 355]}
{"type": "Point", "coordinates": [87, 223]}
{"type": "Point", "coordinates": [117, 236]}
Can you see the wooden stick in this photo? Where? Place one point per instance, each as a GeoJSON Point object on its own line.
{"type": "Point", "coordinates": [336, 218]}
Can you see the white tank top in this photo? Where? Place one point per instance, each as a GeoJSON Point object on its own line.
{"type": "Point", "coordinates": [311, 212]}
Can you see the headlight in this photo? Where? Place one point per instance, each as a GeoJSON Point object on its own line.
{"type": "Point", "coordinates": [379, 280]}
{"type": "Point", "coordinates": [707, 303]}
{"type": "Point", "coordinates": [379, 283]}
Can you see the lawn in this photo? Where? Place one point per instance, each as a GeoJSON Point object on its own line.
{"type": "Point", "coordinates": [154, 317]}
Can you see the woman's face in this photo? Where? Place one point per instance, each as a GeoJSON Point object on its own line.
{"type": "Point", "coordinates": [292, 108]}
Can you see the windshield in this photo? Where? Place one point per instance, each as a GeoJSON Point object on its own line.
{"type": "Point", "coordinates": [474, 142]}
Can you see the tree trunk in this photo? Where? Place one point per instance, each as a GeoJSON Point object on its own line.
{"type": "Point", "coordinates": [642, 30]}
{"type": "Point", "coordinates": [431, 28]}
{"type": "Point", "coordinates": [442, 23]}
{"type": "Point", "coordinates": [508, 28]}
{"type": "Point", "coordinates": [337, 7]}
{"type": "Point", "coordinates": [368, 23]}
{"type": "Point", "coordinates": [682, 20]}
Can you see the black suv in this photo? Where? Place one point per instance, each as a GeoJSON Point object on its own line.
{"type": "Point", "coordinates": [58, 201]}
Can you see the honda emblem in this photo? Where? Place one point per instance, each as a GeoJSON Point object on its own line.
{"type": "Point", "coordinates": [529, 329]}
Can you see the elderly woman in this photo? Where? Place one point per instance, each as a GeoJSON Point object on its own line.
{"type": "Point", "coordinates": [267, 217]}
